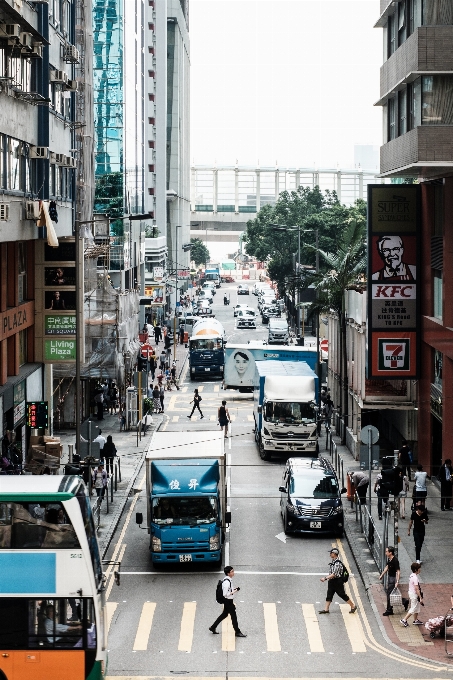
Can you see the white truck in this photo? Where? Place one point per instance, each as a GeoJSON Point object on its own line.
{"type": "Point", "coordinates": [186, 497]}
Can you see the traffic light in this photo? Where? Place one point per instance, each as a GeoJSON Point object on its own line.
{"type": "Point", "coordinates": [142, 363]}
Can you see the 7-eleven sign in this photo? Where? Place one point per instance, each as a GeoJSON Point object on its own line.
{"type": "Point", "coordinates": [394, 354]}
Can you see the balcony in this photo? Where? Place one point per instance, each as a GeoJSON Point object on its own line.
{"type": "Point", "coordinates": [426, 151]}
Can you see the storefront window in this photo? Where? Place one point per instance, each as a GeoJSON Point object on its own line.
{"type": "Point", "coordinates": [23, 347]}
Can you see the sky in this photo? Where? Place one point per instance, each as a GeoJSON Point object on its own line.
{"type": "Point", "coordinates": [287, 82]}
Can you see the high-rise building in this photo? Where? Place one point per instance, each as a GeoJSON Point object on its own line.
{"type": "Point", "coordinates": [417, 100]}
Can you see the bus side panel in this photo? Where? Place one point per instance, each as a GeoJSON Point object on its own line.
{"type": "Point", "coordinates": [65, 664]}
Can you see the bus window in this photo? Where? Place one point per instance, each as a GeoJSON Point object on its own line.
{"type": "Point", "coordinates": [36, 525]}
{"type": "Point", "coordinates": [90, 531]}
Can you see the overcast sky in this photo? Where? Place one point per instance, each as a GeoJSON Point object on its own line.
{"type": "Point", "coordinates": [292, 81]}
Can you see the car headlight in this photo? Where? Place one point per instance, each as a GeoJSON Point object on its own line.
{"type": "Point", "coordinates": [291, 508]}
{"type": "Point", "coordinates": [156, 544]}
{"type": "Point", "coordinates": [338, 510]}
{"type": "Point", "coordinates": [214, 542]}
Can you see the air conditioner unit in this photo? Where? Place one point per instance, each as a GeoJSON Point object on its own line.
{"type": "Point", "coordinates": [4, 212]}
{"type": "Point", "coordinates": [26, 40]}
{"type": "Point", "coordinates": [32, 211]}
{"type": "Point", "coordinates": [70, 162]}
{"type": "Point", "coordinates": [36, 51]}
{"type": "Point", "coordinates": [57, 158]}
{"type": "Point", "coordinates": [72, 85]}
{"type": "Point", "coordinates": [10, 30]}
{"type": "Point", "coordinates": [39, 152]}
{"type": "Point", "coordinates": [59, 77]}
{"type": "Point", "coordinates": [71, 54]}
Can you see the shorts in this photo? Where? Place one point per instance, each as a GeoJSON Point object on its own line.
{"type": "Point", "coordinates": [414, 606]}
{"type": "Point", "coordinates": [336, 585]}
{"type": "Point", "coordinates": [223, 423]}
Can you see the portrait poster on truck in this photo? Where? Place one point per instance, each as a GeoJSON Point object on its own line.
{"type": "Point", "coordinates": [240, 361]}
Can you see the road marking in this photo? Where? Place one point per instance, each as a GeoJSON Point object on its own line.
{"type": "Point", "coordinates": [228, 637]}
{"type": "Point", "coordinates": [312, 625]}
{"type": "Point", "coordinates": [201, 388]}
{"type": "Point", "coordinates": [171, 403]}
{"type": "Point", "coordinates": [144, 627]}
{"type": "Point", "coordinates": [354, 629]}
{"type": "Point", "coordinates": [110, 608]}
{"type": "Point", "coordinates": [271, 627]}
{"type": "Point", "coordinates": [175, 419]}
{"type": "Point", "coordinates": [216, 388]}
{"type": "Point", "coordinates": [187, 625]}
{"type": "Point", "coordinates": [281, 537]}
{"type": "Point", "coordinates": [184, 389]}
{"type": "Point", "coordinates": [112, 581]}
{"type": "Point", "coordinates": [212, 418]}
{"type": "Point", "coordinates": [250, 419]}
{"type": "Point", "coordinates": [233, 417]}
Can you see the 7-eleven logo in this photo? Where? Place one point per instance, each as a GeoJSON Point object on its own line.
{"type": "Point", "coordinates": [394, 354]}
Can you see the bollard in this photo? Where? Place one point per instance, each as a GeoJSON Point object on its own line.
{"type": "Point", "coordinates": [116, 477]}
{"type": "Point", "coordinates": [70, 453]}
{"type": "Point", "coordinates": [119, 468]}
{"type": "Point", "coordinates": [111, 488]}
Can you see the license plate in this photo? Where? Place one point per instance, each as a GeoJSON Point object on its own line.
{"type": "Point", "coordinates": [315, 525]}
{"type": "Point", "coordinates": [207, 369]}
{"type": "Point", "coordinates": [185, 558]}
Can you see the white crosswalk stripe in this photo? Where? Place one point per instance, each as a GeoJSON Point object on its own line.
{"type": "Point", "coordinates": [272, 621]}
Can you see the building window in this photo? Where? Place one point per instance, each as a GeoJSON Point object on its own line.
{"type": "Point", "coordinates": [437, 289]}
{"type": "Point", "coordinates": [22, 347]}
{"type": "Point", "coordinates": [401, 22]}
{"type": "Point", "coordinates": [437, 12]}
{"type": "Point", "coordinates": [391, 33]}
{"type": "Point", "coordinates": [391, 119]}
{"type": "Point", "coordinates": [437, 100]}
{"type": "Point", "coordinates": [414, 104]}
{"type": "Point", "coordinates": [13, 182]}
{"type": "Point", "coordinates": [22, 271]}
{"type": "Point", "coordinates": [402, 112]}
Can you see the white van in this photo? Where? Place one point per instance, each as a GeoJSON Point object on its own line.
{"type": "Point", "coordinates": [278, 331]}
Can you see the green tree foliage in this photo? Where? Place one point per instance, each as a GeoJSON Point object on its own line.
{"type": "Point", "coordinates": [199, 253]}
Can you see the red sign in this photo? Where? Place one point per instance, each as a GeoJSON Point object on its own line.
{"type": "Point", "coordinates": [146, 350]}
{"type": "Point", "coordinates": [324, 345]}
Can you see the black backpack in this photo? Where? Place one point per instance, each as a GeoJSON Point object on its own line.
{"type": "Point", "coordinates": [219, 592]}
{"type": "Point", "coordinates": [345, 574]}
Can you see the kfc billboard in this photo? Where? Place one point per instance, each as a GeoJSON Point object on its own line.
{"type": "Point", "coordinates": [393, 289]}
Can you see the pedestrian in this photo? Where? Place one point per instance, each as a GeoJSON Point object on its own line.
{"type": "Point", "coordinates": [382, 494]}
{"type": "Point", "coordinates": [157, 333]}
{"type": "Point", "coordinates": [101, 441]}
{"type": "Point", "coordinates": [360, 481]}
{"type": "Point", "coordinates": [122, 418]}
{"type": "Point", "coordinates": [392, 568]}
{"type": "Point", "coordinates": [161, 397]}
{"type": "Point", "coordinates": [420, 484]}
{"type": "Point", "coordinates": [196, 403]}
{"type": "Point", "coordinates": [173, 375]}
{"type": "Point", "coordinates": [402, 497]}
{"type": "Point", "coordinates": [223, 417]}
{"type": "Point", "coordinates": [167, 342]}
{"type": "Point", "coordinates": [229, 608]}
{"type": "Point", "coordinates": [163, 360]}
{"type": "Point", "coordinates": [336, 583]}
{"type": "Point", "coordinates": [109, 452]}
{"type": "Point", "coordinates": [415, 597]}
{"type": "Point", "coordinates": [156, 399]}
{"type": "Point", "coordinates": [152, 365]}
{"type": "Point", "coordinates": [404, 459]}
{"type": "Point", "coordinates": [419, 519]}
{"type": "Point", "coordinates": [99, 401]}
{"type": "Point", "coordinates": [113, 398]}
{"type": "Point", "coordinates": [99, 480]}
{"type": "Point", "coordinates": [328, 411]}
{"type": "Point", "coordinates": [444, 477]}
{"type": "Point", "coordinates": [181, 334]}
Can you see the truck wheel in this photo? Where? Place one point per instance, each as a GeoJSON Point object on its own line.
{"type": "Point", "coordinates": [264, 455]}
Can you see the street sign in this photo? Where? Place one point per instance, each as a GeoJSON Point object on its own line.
{"type": "Point", "coordinates": [37, 414]}
{"type": "Point", "coordinates": [369, 434]}
{"type": "Point", "coordinates": [146, 350]}
{"type": "Point", "coordinates": [85, 430]}
{"type": "Point", "coordinates": [324, 345]}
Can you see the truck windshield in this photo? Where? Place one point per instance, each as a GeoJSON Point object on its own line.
{"type": "Point", "coordinates": [288, 412]}
{"type": "Point", "coordinates": [184, 510]}
{"type": "Point", "coordinates": [314, 485]}
{"type": "Point", "coordinates": [215, 343]}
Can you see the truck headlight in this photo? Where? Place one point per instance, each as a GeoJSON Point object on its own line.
{"type": "Point", "coordinates": [156, 544]}
{"type": "Point", "coordinates": [214, 542]}
{"type": "Point", "coordinates": [266, 432]}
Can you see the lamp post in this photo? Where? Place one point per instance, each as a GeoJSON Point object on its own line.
{"type": "Point", "coordinates": [284, 227]}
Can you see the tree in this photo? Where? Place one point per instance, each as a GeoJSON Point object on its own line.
{"type": "Point", "coordinates": [344, 269]}
{"type": "Point", "coordinates": [199, 253]}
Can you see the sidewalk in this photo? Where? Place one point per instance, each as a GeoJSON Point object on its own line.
{"type": "Point", "coordinates": [435, 576]}
{"type": "Point", "coordinates": [131, 454]}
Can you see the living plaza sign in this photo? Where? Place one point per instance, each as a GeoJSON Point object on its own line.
{"type": "Point", "coordinates": [393, 288]}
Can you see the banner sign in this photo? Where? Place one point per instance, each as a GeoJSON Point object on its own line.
{"type": "Point", "coordinates": [59, 350]}
{"type": "Point", "coordinates": [393, 275]}
{"type": "Point", "coordinates": [60, 324]}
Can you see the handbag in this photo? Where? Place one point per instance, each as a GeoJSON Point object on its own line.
{"type": "Point", "coordinates": [396, 599]}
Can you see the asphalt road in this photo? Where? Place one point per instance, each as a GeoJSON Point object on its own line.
{"type": "Point", "coordinates": [158, 620]}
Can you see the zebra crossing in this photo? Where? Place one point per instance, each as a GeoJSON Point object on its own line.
{"type": "Point", "coordinates": [273, 625]}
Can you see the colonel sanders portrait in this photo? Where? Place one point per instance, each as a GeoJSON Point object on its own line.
{"type": "Point", "coordinates": [391, 252]}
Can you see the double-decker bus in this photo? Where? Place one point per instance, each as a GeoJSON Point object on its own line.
{"type": "Point", "coordinates": [51, 581]}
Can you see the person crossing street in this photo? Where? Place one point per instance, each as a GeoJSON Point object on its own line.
{"type": "Point", "coordinates": [229, 608]}
{"type": "Point", "coordinates": [336, 583]}
{"type": "Point", "coordinates": [196, 403]}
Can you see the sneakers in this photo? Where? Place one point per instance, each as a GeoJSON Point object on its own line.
{"type": "Point", "coordinates": [189, 417]}
{"type": "Point", "coordinates": [417, 622]}
{"type": "Point", "coordinates": [213, 630]}
{"type": "Point", "coordinates": [404, 623]}
{"type": "Point", "coordinates": [388, 612]}
{"type": "Point", "coordinates": [201, 417]}
{"type": "Point", "coordinates": [239, 634]}
{"type": "Point", "coordinates": [323, 611]}
{"type": "Point", "coordinates": [353, 610]}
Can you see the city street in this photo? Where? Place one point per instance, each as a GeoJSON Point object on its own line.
{"type": "Point", "coordinates": [159, 619]}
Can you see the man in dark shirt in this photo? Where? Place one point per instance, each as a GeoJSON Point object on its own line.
{"type": "Point", "coordinates": [419, 519]}
{"type": "Point", "coordinates": [392, 568]}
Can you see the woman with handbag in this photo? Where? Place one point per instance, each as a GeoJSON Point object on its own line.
{"type": "Point", "coordinates": [415, 597]}
{"type": "Point", "coordinates": [109, 453]}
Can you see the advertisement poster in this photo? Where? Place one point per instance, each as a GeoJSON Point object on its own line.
{"type": "Point", "coordinates": [240, 361]}
{"type": "Point", "coordinates": [393, 292]}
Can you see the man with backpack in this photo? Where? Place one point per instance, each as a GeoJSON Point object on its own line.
{"type": "Point", "coordinates": [337, 577]}
{"type": "Point", "coordinates": [224, 595]}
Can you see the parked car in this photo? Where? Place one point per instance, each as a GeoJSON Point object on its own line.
{"type": "Point", "coordinates": [238, 307]}
{"type": "Point", "coordinates": [243, 290]}
{"type": "Point", "coordinates": [310, 500]}
{"type": "Point", "coordinates": [206, 296]}
{"type": "Point", "coordinates": [270, 312]}
{"type": "Point", "coordinates": [227, 279]}
{"type": "Point", "coordinates": [245, 318]}
{"type": "Point", "coordinates": [205, 310]}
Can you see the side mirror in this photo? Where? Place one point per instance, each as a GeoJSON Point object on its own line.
{"type": "Point", "coordinates": [228, 518]}
{"type": "Point", "coordinates": [260, 409]}
{"type": "Point", "coordinates": [282, 489]}
{"type": "Point", "coordinates": [139, 518]}
{"type": "Point", "coordinates": [116, 576]}
{"type": "Point", "coordinates": [343, 490]}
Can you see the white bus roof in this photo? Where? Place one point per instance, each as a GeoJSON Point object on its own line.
{"type": "Point", "coordinates": [170, 445]}
{"type": "Point", "coordinates": [41, 484]}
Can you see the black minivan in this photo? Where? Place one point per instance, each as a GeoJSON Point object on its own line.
{"type": "Point", "coordinates": [310, 500]}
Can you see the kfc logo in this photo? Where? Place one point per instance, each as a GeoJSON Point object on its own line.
{"type": "Point", "coordinates": [394, 291]}
{"type": "Point", "coordinates": [394, 355]}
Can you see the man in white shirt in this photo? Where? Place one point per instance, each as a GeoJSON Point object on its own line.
{"type": "Point", "coordinates": [101, 440]}
{"type": "Point", "coordinates": [229, 608]}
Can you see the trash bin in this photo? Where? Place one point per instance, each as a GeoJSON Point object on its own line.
{"type": "Point", "coordinates": [350, 488]}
